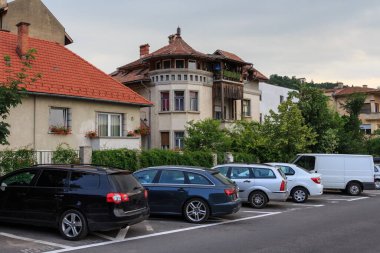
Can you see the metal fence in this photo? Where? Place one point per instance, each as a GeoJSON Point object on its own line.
{"type": "Point", "coordinates": [46, 156]}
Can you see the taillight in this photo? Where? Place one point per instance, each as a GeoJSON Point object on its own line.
{"type": "Point", "coordinates": [117, 198]}
{"type": "Point", "coordinates": [316, 180]}
{"type": "Point", "coordinates": [282, 186]}
{"type": "Point", "coordinates": [229, 192]}
{"type": "Point", "coordinates": [146, 194]}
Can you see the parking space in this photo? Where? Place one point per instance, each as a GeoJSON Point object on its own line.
{"type": "Point", "coordinates": [30, 239]}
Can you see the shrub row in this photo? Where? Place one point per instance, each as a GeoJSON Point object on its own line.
{"type": "Point", "coordinates": [133, 160]}
{"type": "Point", "coordinates": [11, 160]}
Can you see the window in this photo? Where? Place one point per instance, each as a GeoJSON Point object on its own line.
{"type": "Point", "coordinates": [246, 108]}
{"type": "Point", "coordinates": [58, 117]}
{"type": "Point", "coordinates": [193, 101]}
{"type": "Point", "coordinates": [263, 173]}
{"type": "Point", "coordinates": [191, 77]}
{"type": "Point", "coordinates": [165, 140]}
{"type": "Point", "coordinates": [80, 180]}
{"type": "Point", "coordinates": [124, 182]}
{"type": "Point", "coordinates": [179, 64]}
{"type": "Point", "coordinates": [173, 77]}
{"type": "Point", "coordinates": [287, 170]}
{"type": "Point", "coordinates": [179, 78]}
{"type": "Point", "coordinates": [218, 112]}
{"type": "Point", "coordinates": [167, 77]}
{"type": "Point", "coordinates": [260, 97]}
{"type": "Point", "coordinates": [161, 78]}
{"type": "Point", "coordinates": [196, 78]}
{"type": "Point", "coordinates": [152, 78]}
{"type": "Point", "coordinates": [179, 100]}
{"type": "Point", "coordinates": [172, 177]}
{"type": "Point", "coordinates": [366, 128]}
{"type": "Point", "coordinates": [376, 169]}
{"type": "Point", "coordinates": [178, 138]}
{"type": "Point", "coordinates": [306, 162]}
{"type": "Point", "coordinates": [158, 65]}
{"type": "Point", "coordinates": [197, 179]}
{"type": "Point", "coordinates": [223, 170]}
{"type": "Point", "coordinates": [166, 64]}
{"type": "Point", "coordinates": [240, 173]}
{"type": "Point", "coordinates": [281, 99]}
{"type": "Point", "coordinates": [53, 178]}
{"type": "Point", "coordinates": [165, 104]}
{"type": "Point", "coordinates": [366, 108]}
{"type": "Point", "coordinates": [146, 176]}
{"type": "Point", "coordinates": [192, 64]}
{"type": "Point", "coordinates": [20, 179]}
{"type": "Point", "coordinates": [185, 77]}
{"type": "Point", "coordinates": [261, 118]}
{"type": "Point", "coordinates": [109, 125]}
{"type": "Point", "coordinates": [156, 78]}
{"type": "Point", "coordinates": [376, 107]}
{"type": "Point", "coordinates": [204, 79]}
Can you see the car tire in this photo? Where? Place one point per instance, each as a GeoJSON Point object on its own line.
{"type": "Point", "coordinates": [196, 210]}
{"type": "Point", "coordinates": [354, 189]}
{"type": "Point", "coordinates": [258, 199]}
{"type": "Point", "coordinates": [377, 184]}
{"type": "Point", "coordinates": [73, 225]}
{"type": "Point", "coordinates": [299, 194]}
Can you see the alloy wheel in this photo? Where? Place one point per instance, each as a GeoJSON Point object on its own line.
{"type": "Point", "coordinates": [196, 211]}
{"type": "Point", "coordinates": [72, 225]}
{"type": "Point", "coordinates": [258, 199]}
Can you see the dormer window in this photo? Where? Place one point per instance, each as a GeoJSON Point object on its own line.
{"type": "Point", "coordinates": [180, 64]}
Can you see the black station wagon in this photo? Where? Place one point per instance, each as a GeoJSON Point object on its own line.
{"type": "Point", "coordinates": [195, 193]}
{"type": "Point", "coordinates": [76, 198]}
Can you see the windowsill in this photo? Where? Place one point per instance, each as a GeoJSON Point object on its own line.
{"type": "Point", "coordinates": [176, 112]}
{"type": "Point", "coordinates": [247, 116]}
{"type": "Point", "coordinates": [117, 137]}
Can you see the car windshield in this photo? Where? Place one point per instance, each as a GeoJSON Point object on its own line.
{"type": "Point", "coordinates": [222, 179]}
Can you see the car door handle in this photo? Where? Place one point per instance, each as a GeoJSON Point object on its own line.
{"type": "Point", "coordinates": [181, 190]}
{"type": "Point", "coordinates": [247, 181]}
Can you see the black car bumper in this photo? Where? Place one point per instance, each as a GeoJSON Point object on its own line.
{"type": "Point", "coordinates": [226, 208]}
{"type": "Point", "coordinates": [113, 223]}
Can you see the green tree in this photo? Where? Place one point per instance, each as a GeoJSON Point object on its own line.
{"type": "Point", "coordinates": [286, 133]}
{"type": "Point", "coordinates": [317, 114]}
{"type": "Point", "coordinates": [206, 135]}
{"type": "Point", "coordinates": [11, 90]}
{"type": "Point", "coordinates": [352, 138]}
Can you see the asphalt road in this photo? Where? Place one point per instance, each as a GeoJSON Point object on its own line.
{"type": "Point", "coordinates": [332, 223]}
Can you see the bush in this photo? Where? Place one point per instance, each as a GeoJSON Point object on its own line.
{"type": "Point", "coordinates": [245, 158]}
{"type": "Point", "coordinates": [116, 158]}
{"type": "Point", "coordinates": [11, 160]}
{"type": "Point", "coordinates": [64, 154]}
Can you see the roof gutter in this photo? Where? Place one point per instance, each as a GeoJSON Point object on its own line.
{"type": "Point", "coordinates": [86, 98]}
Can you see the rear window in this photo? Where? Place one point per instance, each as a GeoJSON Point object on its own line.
{"type": "Point", "coordinates": [80, 180]}
{"type": "Point", "coordinates": [124, 182]}
{"type": "Point", "coordinates": [222, 178]}
{"type": "Point", "coordinates": [281, 173]}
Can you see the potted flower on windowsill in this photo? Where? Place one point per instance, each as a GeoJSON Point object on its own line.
{"type": "Point", "coordinates": [131, 134]}
{"type": "Point", "coordinates": [60, 130]}
{"type": "Point", "coordinates": [91, 134]}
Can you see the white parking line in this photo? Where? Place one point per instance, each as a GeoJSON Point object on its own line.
{"type": "Point", "coordinates": [36, 241]}
{"type": "Point", "coordinates": [149, 228]}
{"type": "Point", "coordinates": [104, 236]}
{"type": "Point", "coordinates": [349, 199]}
{"type": "Point", "coordinates": [258, 212]}
{"type": "Point", "coordinates": [122, 233]}
{"type": "Point", "coordinates": [162, 233]}
{"type": "Point", "coordinates": [311, 205]}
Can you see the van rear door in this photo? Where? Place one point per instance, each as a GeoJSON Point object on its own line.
{"type": "Point", "coordinates": [359, 168]}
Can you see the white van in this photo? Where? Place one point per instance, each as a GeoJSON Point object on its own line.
{"type": "Point", "coordinates": [352, 173]}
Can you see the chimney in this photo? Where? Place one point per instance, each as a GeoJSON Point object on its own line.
{"type": "Point", "coordinates": [340, 85]}
{"type": "Point", "coordinates": [171, 38]}
{"type": "Point", "coordinates": [365, 86]}
{"type": "Point", "coordinates": [3, 4]}
{"type": "Point", "coordinates": [23, 39]}
{"type": "Point", "coordinates": [144, 50]}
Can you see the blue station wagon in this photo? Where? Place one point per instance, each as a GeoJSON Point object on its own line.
{"type": "Point", "coordinates": [195, 193]}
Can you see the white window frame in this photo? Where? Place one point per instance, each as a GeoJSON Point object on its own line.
{"type": "Point", "coordinates": [190, 99]}
{"type": "Point", "coordinates": [66, 116]}
{"type": "Point", "coordinates": [181, 141]}
{"type": "Point", "coordinates": [183, 102]}
{"type": "Point", "coordinates": [248, 113]}
{"type": "Point", "coordinates": [109, 123]}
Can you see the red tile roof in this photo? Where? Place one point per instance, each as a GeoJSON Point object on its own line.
{"type": "Point", "coordinates": [177, 47]}
{"type": "Point", "coordinates": [350, 90]}
{"type": "Point", "coordinates": [65, 73]}
{"type": "Point", "coordinates": [229, 55]}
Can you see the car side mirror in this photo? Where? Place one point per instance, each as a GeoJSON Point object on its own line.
{"type": "Point", "coordinates": [3, 186]}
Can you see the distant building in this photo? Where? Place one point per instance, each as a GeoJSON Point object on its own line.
{"type": "Point", "coordinates": [271, 97]}
{"type": "Point", "coordinates": [45, 25]}
{"type": "Point", "coordinates": [370, 112]}
{"type": "Point", "coordinates": [185, 84]}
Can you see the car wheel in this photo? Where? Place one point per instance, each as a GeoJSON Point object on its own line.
{"type": "Point", "coordinates": [73, 225]}
{"type": "Point", "coordinates": [377, 184]}
{"type": "Point", "coordinates": [258, 199]}
{"type": "Point", "coordinates": [196, 211]}
{"type": "Point", "coordinates": [299, 195]}
{"type": "Point", "coordinates": [354, 189]}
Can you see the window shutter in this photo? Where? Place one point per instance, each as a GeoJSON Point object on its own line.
{"type": "Point", "coordinates": [69, 118]}
{"type": "Point", "coordinates": [164, 138]}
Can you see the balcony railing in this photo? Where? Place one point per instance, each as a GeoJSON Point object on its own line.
{"type": "Point", "coordinates": [370, 116]}
{"type": "Point", "coordinates": [228, 75]}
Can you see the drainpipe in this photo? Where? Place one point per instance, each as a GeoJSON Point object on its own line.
{"type": "Point", "coordinates": [34, 123]}
{"type": "Point", "coordinates": [149, 114]}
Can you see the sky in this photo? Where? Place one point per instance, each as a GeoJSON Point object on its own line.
{"type": "Point", "coordinates": [324, 40]}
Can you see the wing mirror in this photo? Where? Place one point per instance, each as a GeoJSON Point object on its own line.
{"type": "Point", "coordinates": [3, 186]}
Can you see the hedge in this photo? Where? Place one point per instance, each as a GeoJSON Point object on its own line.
{"type": "Point", "coordinates": [11, 160]}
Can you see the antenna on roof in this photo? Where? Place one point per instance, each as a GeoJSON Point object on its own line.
{"type": "Point", "coordinates": [178, 31]}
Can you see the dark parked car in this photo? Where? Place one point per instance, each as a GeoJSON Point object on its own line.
{"type": "Point", "coordinates": [195, 193]}
{"type": "Point", "coordinates": [74, 198]}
